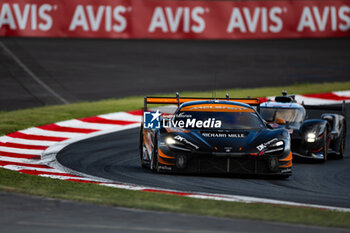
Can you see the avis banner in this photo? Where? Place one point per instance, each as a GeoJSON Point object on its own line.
{"type": "Point", "coordinates": [170, 19]}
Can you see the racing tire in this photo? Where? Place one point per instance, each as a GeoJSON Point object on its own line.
{"type": "Point", "coordinates": [143, 163]}
{"type": "Point", "coordinates": [141, 141]}
{"type": "Point", "coordinates": [154, 161]}
{"type": "Point", "coordinates": [342, 147]}
{"type": "Point", "coordinates": [142, 149]}
{"type": "Point", "coordinates": [325, 145]}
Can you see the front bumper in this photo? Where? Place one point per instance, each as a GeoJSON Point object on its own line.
{"type": "Point", "coordinates": [303, 149]}
{"type": "Point", "coordinates": [223, 163]}
{"type": "Point", "coordinates": [309, 155]}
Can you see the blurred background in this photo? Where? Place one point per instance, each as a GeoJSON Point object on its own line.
{"type": "Point", "coordinates": [80, 51]}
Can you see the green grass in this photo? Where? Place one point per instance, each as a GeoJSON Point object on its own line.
{"type": "Point", "coordinates": [16, 182]}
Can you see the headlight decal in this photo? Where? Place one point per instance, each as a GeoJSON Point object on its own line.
{"type": "Point", "coordinates": [172, 141]}
{"type": "Point", "coordinates": [185, 141]}
{"type": "Point", "coordinates": [271, 146]}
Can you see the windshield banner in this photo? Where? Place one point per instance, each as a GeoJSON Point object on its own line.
{"type": "Point", "coordinates": [164, 19]}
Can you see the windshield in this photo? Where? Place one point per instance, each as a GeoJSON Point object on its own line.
{"type": "Point", "coordinates": [283, 116]}
{"type": "Point", "coordinates": [229, 120]}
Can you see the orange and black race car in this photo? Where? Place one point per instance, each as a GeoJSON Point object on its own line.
{"type": "Point", "coordinates": [213, 136]}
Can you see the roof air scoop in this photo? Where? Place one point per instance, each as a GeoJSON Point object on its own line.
{"type": "Point", "coordinates": [285, 98]}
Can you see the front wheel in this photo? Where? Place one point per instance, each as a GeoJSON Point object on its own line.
{"type": "Point", "coordinates": [342, 147]}
{"type": "Point", "coordinates": [326, 141]}
{"type": "Point", "coordinates": [142, 149]}
{"type": "Point", "coordinates": [143, 155]}
{"type": "Point", "coordinates": [154, 160]}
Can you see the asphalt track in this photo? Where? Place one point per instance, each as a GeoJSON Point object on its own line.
{"type": "Point", "coordinates": [21, 213]}
{"type": "Point", "coordinates": [94, 69]}
{"type": "Point", "coordinates": [115, 156]}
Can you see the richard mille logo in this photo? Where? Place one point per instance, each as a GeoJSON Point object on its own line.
{"type": "Point", "coordinates": [224, 135]}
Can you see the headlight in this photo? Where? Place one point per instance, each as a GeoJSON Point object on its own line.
{"type": "Point", "coordinates": [170, 141]}
{"type": "Point", "coordinates": [181, 142]}
{"type": "Point", "coordinates": [274, 147]}
{"type": "Point", "coordinates": [277, 144]}
{"type": "Point", "coordinates": [311, 137]}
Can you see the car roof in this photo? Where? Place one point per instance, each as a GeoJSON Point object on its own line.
{"type": "Point", "coordinates": [272, 104]}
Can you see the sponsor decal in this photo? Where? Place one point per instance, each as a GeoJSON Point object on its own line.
{"type": "Point", "coordinates": [192, 123]}
{"type": "Point", "coordinates": [261, 147]}
{"type": "Point", "coordinates": [35, 17]}
{"type": "Point", "coordinates": [175, 19]}
{"type": "Point", "coordinates": [216, 107]}
{"type": "Point", "coordinates": [179, 19]}
{"type": "Point", "coordinates": [165, 168]}
{"type": "Point", "coordinates": [151, 120]}
{"type": "Point", "coordinates": [183, 115]}
{"type": "Point", "coordinates": [184, 140]}
{"type": "Point", "coordinates": [224, 135]}
{"type": "Point", "coordinates": [286, 170]}
{"type": "Point", "coordinates": [99, 18]}
{"type": "Point", "coordinates": [266, 144]}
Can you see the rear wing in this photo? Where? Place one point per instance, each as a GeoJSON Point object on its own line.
{"type": "Point", "coordinates": [335, 107]}
{"type": "Point", "coordinates": [180, 100]}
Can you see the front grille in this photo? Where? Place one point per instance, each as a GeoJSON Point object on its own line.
{"type": "Point", "coordinates": [249, 165]}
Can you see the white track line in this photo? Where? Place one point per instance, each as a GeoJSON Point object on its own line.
{"type": "Point", "coordinates": [86, 125]}
{"type": "Point", "coordinates": [315, 101]}
{"type": "Point", "coordinates": [49, 155]}
{"type": "Point", "coordinates": [123, 116]}
{"type": "Point", "coordinates": [21, 151]}
{"type": "Point", "coordinates": [17, 168]}
{"type": "Point", "coordinates": [20, 160]}
{"type": "Point", "coordinates": [311, 100]}
{"type": "Point", "coordinates": [60, 177]}
{"type": "Point", "coordinates": [236, 198]}
{"type": "Point", "coordinates": [124, 186]}
{"type": "Point", "coordinates": [43, 132]}
{"type": "Point", "coordinates": [342, 93]}
{"type": "Point", "coordinates": [26, 141]}
{"type": "Point", "coordinates": [67, 177]}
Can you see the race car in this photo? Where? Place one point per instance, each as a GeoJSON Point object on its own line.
{"type": "Point", "coordinates": [310, 138]}
{"type": "Point", "coordinates": [213, 136]}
